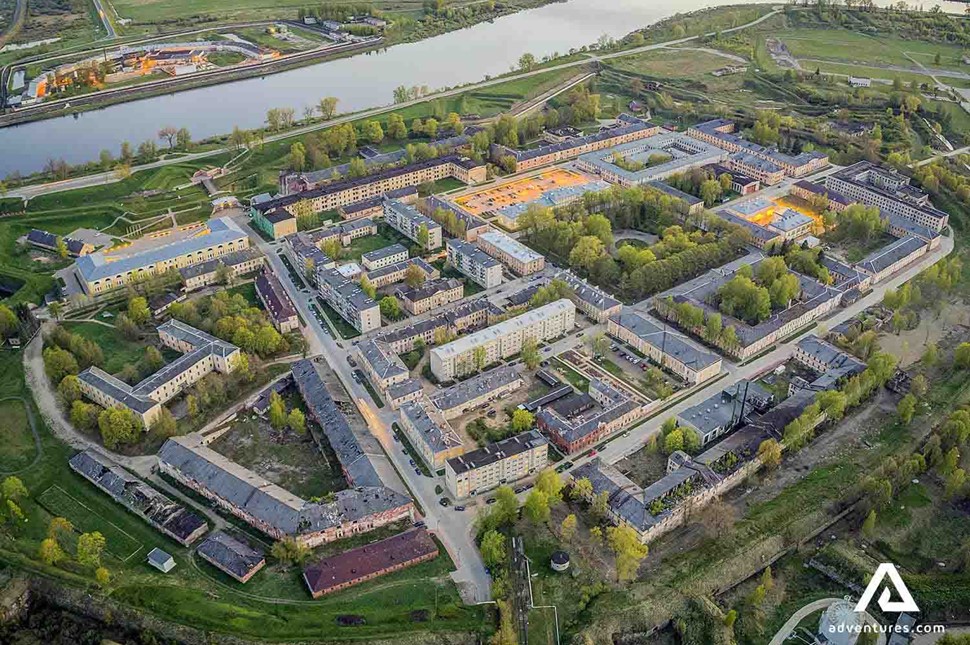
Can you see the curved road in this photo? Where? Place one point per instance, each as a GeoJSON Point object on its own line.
{"type": "Point", "coordinates": [808, 610]}
{"type": "Point", "coordinates": [28, 192]}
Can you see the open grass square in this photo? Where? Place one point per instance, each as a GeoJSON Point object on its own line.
{"type": "Point", "coordinates": [119, 544]}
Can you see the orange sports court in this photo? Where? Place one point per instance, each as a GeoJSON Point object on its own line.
{"type": "Point", "coordinates": [520, 191]}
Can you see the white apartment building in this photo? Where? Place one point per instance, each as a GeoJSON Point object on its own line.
{"type": "Point", "coordinates": [514, 254]}
{"type": "Point", "coordinates": [473, 262]}
{"type": "Point", "coordinates": [408, 221]}
{"type": "Point", "coordinates": [500, 341]}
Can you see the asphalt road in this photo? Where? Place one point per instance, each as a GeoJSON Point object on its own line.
{"type": "Point", "coordinates": [782, 635]}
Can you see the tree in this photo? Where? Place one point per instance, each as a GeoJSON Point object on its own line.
{"type": "Point", "coordinates": [13, 488]}
{"type": "Point", "coordinates": [138, 311]}
{"type": "Point", "coordinates": [601, 505]}
{"type": "Point", "coordinates": [372, 131]}
{"type": "Point", "coordinates": [90, 546]}
{"type": "Point", "coordinates": [297, 421]}
{"type": "Point", "coordinates": [327, 107]}
{"type": "Point", "coordinates": [50, 552]}
{"type": "Point", "coordinates": [492, 548]}
{"type": "Point", "coordinates": [69, 389]}
{"type": "Point", "coordinates": [961, 358]}
{"type": "Point", "coordinates": [567, 530]}
{"type": "Point", "coordinates": [537, 506]}
{"type": "Point", "coordinates": [582, 489]}
{"type": "Point", "coordinates": [587, 250]}
{"type": "Point", "coordinates": [955, 483]}
{"type": "Point", "coordinates": [710, 191]}
{"type": "Point", "coordinates": [530, 354]}
{"type": "Point", "coordinates": [506, 507]}
{"type": "Point", "coordinates": [84, 415]}
{"type": "Point", "coordinates": [168, 133]}
{"type": "Point", "coordinates": [596, 535]}
{"type": "Point", "coordinates": [769, 452]}
{"type": "Point", "coordinates": [627, 549]}
{"type": "Point", "coordinates": [165, 425]}
{"type": "Point", "coordinates": [906, 408]}
{"type": "Point", "coordinates": [527, 62]}
{"type": "Point", "coordinates": [414, 276]}
{"type": "Point", "coordinates": [102, 576]}
{"type": "Point", "coordinates": [718, 518]}
{"type": "Point", "coordinates": [277, 411]}
{"type": "Point", "coordinates": [522, 420]}
{"type": "Point", "coordinates": [396, 128]}
{"type": "Point", "coordinates": [153, 358]}
{"type": "Point", "coordinates": [550, 483]}
{"type": "Point", "coordinates": [390, 307]}
{"type": "Point", "coordinates": [478, 357]}
{"type": "Point", "coordinates": [599, 226]}
{"type": "Point", "coordinates": [58, 363]}
{"type": "Point", "coordinates": [118, 425]}
{"type": "Point", "coordinates": [297, 157]}
{"type": "Point", "coordinates": [290, 552]}
{"type": "Point", "coordinates": [869, 525]}
{"type": "Point", "coordinates": [741, 297]}
{"type": "Point", "coordinates": [368, 287]}
{"type": "Point", "coordinates": [183, 138]}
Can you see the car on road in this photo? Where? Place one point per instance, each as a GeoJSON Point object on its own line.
{"type": "Point", "coordinates": [491, 414]}
{"type": "Point", "coordinates": [444, 501]}
{"type": "Point", "coordinates": [417, 471]}
{"type": "Point", "coordinates": [547, 349]}
{"type": "Point", "coordinates": [490, 500]}
{"type": "Point", "coordinates": [520, 489]}
{"type": "Point", "coordinates": [350, 359]}
{"type": "Point", "coordinates": [411, 461]}
{"type": "Point", "coordinates": [459, 508]}
{"type": "Point", "coordinates": [419, 525]}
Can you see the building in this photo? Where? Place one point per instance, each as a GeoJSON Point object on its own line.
{"type": "Point", "coordinates": [723, 134]}
{"type": "Point", "coordinates": [578, 422]}
{"type": "Point", "coordinates": [233, 557]}
{"type": "Point", "coordinates": [668, 348]}
{"type": "Point", "coordinates": [345, 232]}
{"type": "Point", "coordinates": [50, 242]}
{"type": "Point", "coordinates": [761, 236]}
{"type": "Point", "coordinates": [792, 225]}
{"type": "Point", "coordinates": [826, 360]}
{"type": "Point", "coordinates": [559, 561]}
{"type": "Point", "coordinates": [725, 411]}
{"type": "Point", "coordinates": [305, 256]}
{"type": "Point", "coordinates": [812, 192]}
{"type": "Point", "coordinates": [884, 262]}
{"type": "Point", "coordinates": [496, 464]}
{"type": "Point", "coordinates": [275, 224]}
{"type": "Point", "coordinates": [889, 191]}
{"type": "Point", "coordinates": [348, 300]}
{"type": "Point", "coordinates": [474, 314]}
{"type": "Point", "coordinates": [516, 256]}
{"type": "Point", "coordinates": [430, 295]}
{"type": "Point", "coordinates": [740, 183]}
{"type": "Point", "coordinates": [382, 367]}
{"type": "Point", "coordinates": [374, 207]}
{"type": "Point", "coordinates": [498, 342]}
{"type": "Point", "coordinates": [429, 433]}
{"type": "Point", "coordinates": [271, 509]}
{"type": "Point", "coordinates": [408, 221]}
{"type": "Point", "coordinates": [765, 171]}
{"type": "Point", "coordinates": [385, 257]}
{"type": "Point", "coordinates": [231, 266]}
{"type": "Point", "coordinates": [352, 567]}
{"type": "Point", "coordinates": [470, 225]}
{"type": "Point", "coordinates": [397, 272]}
{"type": "Point", "coordinates": [473, 262]}
{"type": "Point", "coordinates": [628, 128]}
{"type": "Point", "coordinates": [592, 301]}
{"type": "Point", "coordinates": [202, 354]}
{"type": "Point", "coordinates": [336, 194]}
{"type": "Point", "coordinates": [160, 511]}
{"type": "Point", "coordinates": [276, 301]}
{"type": "Point", "coordinates": [161, 560]}
{"type": "Point", "coordinates": [689, 204]}
{"type": "Point", "coordinates": [110, 269]}
{"type": "Point", "coordinates": [652, 158]}
{"type": "Point", "coordinates": [478, 391]}
{"type": "Point", "coordinates": [508, 216]}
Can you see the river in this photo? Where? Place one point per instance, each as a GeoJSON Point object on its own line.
{"type": "Point", "coordinates": [361, 81]}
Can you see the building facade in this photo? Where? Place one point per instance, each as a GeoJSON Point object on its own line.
{"type": "Point", "coordinates": [516, 256]}
{"type": "Point", "coordinates": [496, 464]}
{"type": "Point", "coordinates": [471, 261]}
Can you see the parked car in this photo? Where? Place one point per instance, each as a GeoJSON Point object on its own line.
{"type": "Point", "coordinates": [490, 500]}
{"type": "Point", "coordinates": [411, 461]}
{"type": "Point", "coordinates": [350, 359]}
{"type": "Point", "coordinates": [444, 501]}
{"type": "Point", "coordinates": [459, 508]}
{"type": "Point", "coordinates": [520, 489]}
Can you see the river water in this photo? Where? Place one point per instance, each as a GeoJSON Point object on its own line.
{"type": "Point", "coordinates": [362, 81]}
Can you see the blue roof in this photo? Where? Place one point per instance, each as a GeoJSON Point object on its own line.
{"type": "Point", "coordinates": [97, 266]}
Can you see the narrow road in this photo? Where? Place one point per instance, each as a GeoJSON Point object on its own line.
{"type": "Point", "coordinates": [782, 635]}
{"type": "Point", "coordinates": [28, 192]}
{"type": "Point", "coordinates": [109, 28]}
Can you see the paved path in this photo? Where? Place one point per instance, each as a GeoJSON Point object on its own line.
{"type": "Point", "coordinates": [29, 192]}
{"type": "Point", "coordinates": [782, 635]}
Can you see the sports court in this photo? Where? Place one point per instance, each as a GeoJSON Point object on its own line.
{"type": "Point", "coordinates": [519, 191]}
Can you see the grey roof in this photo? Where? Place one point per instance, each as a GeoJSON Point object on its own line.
{"type": "Point", "coordinates": [730, 406]}
{"type": "Point", "coordinates": [168, 516]}
{"type": "Point", "coordinates": [828, 354]}
{"type": "Point", "coordinates": [626, 124]}
{"type": "Point", "coordinates": [324, 411]}
{"type": "Point", "coordinates": [278, 215]}
{"type": "Point", "coordinates": [758, 232]}
{"type": "Point", "coordinates": [428, 289]}
{"type": "Point", "coordinates": [684, 152]}
{"type": "Point", "coordinates": [790, 220]}
{"type": "Point", "coordinates": [890, 254]}
{"type": "Point", "coordinates": [775, 155]}
{"type": "Point", "coordinates": [277, 302]}
{"type": "Point", "coordinates": [475, 387]}
{"type": "Point", "coordinates": [404, 388]}
{"type": "Point", "coordinates": [433, 430]}
{"type": "Point", "coordinates": [860, 175]}
{"type": "Point", "coordinates": [386, 252]}
{"type": "Point", "coordinates": [440, 320]}
{"type": "Point", "coordinates": [753, 161]}
{"type": "Point", "coordinates": [819, 189]}
{"type": "Point", "coordinates": [230, 554]}
{"type": "Point", "coordinates": [429, 270]}
{"type": "Point", "coordinates": [676, 193]}
{"type": "Point", "coordinates": [220, 230]}
{"type": "Point", "coordinates": [264, 500]}
{"type": "Point", "coordinates": [671, 342]}
{"type": "Point", "coordinates": [555, 197]}
{"type": "Point", "coordinates": [471, 222]}
{"type": "Point", "coordinates": [583, 425]}
{"type": "Point", "coordinates": [381, 359]}
{"type": "Point", "coordinates": [409, 213]}
{"type": "Point", "coordinates": [375, 202]}
{"type": "Point", "coordinates": [497, 451]}
{"type": "Point", "coordinates": [157, 556]}
{"type": "Point", "coordinates": [592, 296]}
{"type": "Point", "coordinates": [472, 253]}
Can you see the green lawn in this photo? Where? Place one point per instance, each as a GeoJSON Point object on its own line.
{"type": "Point", "coordinates": [60, 503]}
{"type": "Point", "coordinates": [369, 243]}
{"type": "Point", "coordinates": [118, 351]}
{"type": "Point", "coordinates": [673, 63]}
{"type": "Point", "coordinates": [17, 449]}
{"type": "Point", "coordinates": [575, 379]}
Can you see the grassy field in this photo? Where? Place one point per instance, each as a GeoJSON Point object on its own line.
{"type": "Point", "coordinates": [369, 243]}
{"type": "Point", "coordinates": [17, 449]}
{"type": "Point", "coordinates": [60, 503]}
{"type": "Point", "coordinates": [118, 351]}
{"type": "Point", "coordinates": [673, 63]}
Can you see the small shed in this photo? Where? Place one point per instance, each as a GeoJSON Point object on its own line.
{"type": "Point", "coordinates": [560, 561]}
{"type": "Point", "coordinates": [161, 560]}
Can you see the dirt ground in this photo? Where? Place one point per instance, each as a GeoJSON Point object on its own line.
{"type": "Point", "coordinates": [952, 324]}
{"type": "Point", "coordinates": [531, 389]}
{"type": "Point", "coordinates": [645, 466]}
{"type": "Point", "coordinates": [285, 458]}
